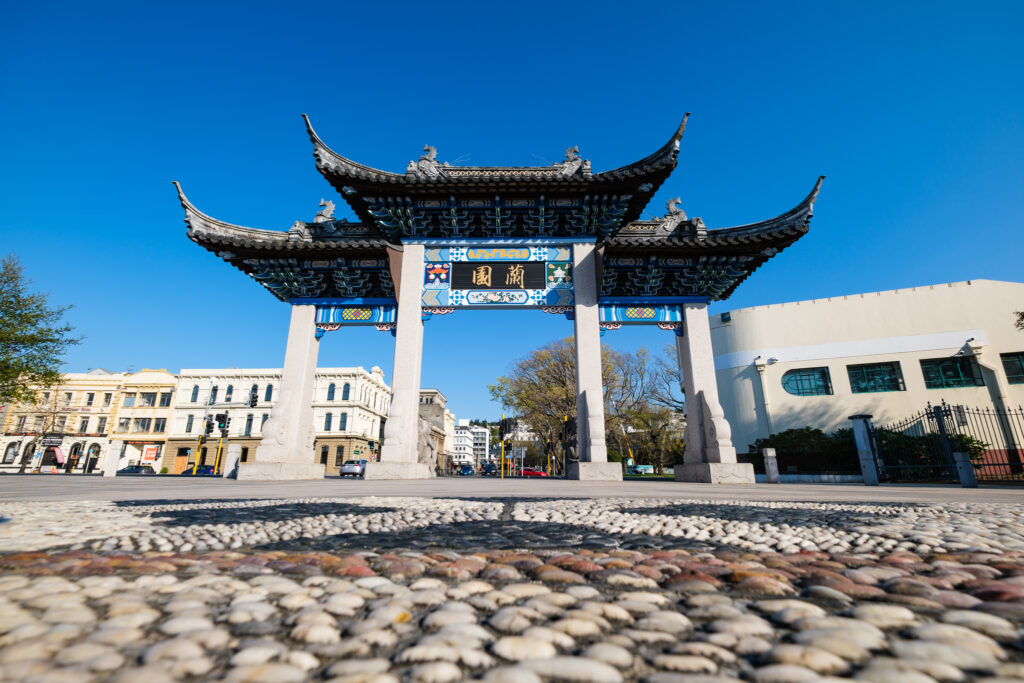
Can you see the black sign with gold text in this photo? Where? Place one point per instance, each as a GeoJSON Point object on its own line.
{"type": "Point", "coordinates": [498, 275]}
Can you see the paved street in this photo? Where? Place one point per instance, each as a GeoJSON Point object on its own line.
{"type": "Point", "coordinates": [158, 579]}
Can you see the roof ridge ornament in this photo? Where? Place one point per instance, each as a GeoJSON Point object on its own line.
{"type": "Point", "coordinates": [325, 214]}
{"type": "Point", "coordinates": [573, 164]}
{"type": "Point", "coordinates": [427, 167]}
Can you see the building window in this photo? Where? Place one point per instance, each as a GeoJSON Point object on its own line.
{"type": "Point", "coordinates": [61, 423]}
{"type": "Point", "coordinates": [345, 392]}
{"type": "Point", "coordinates": [330, 392]}
{"type": "Point", "coordinates": [67, 398]}
{"type": "Point", "coordinates": [188, 424]}
{"type": "Point", "coordinates": [807, 382]}
{"type": "Point", "coordinates": [106, 399]}
{"type": "Point", "coordinates": [263, 420]}
{"type": "Point", "coordinates": [245, 455]}
{"type": "Point", "coordinates": [213, 395]}
{"type": "Point", "coordinates": [195, 393]}
{"type": "Point", "coordinates": [248, 425]}
{"type": "Point", "coordinates": [327, 422]}
{"type": "Point", "coordinates": [124, 424]}
{"type": "Point", "coordinates": [228, 392]}
{"type": "Point", "coordinates": [39, 422]}
{"type": "Point", "coordinates": [147, 399]}
{"type": "Point", "coordinates": [324, 451]}
{"type": "Point", "coordinates": [83, 426]}
{"type": "Point", "coordinates": [142, 424]}
{"type": "Point", "coordinates": [159, 425]}
{"type": "Point", "coordinates": [1013, 365]}
{"type": "Point", "coordinates": [875, 377]}
{"type": "Point", "coordinates": [165, 400]}
{"type": "Point", "coordinates": [21, 423]}
{"type": "Point", "coordinates": [952, 372]}
{"type": "Point", "coordinates": [89, 398]}
{"type": "Point", "coordinates": [339, 456]}
{"type": "Point", "coordinates": [101, 425]}
{"type": "Point", "coordinates": [343, 422]}
{"type": "Point", "coordinates": [129, 400]}
{"type": "Point", "coordinates": [270, 393]}
{"type": "Point", "coordinates": [11, 453]}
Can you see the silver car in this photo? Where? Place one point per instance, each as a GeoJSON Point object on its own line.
{"type": "Point", "coordinates": [356, 468]}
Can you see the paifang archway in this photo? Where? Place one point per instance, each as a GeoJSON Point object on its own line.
{"type": "Point", "coordinates": [438, 239]}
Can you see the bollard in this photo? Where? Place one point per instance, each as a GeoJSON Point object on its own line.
{"type": "Point", "coordinates": [771, 466]}
{"type": "Point", "coordinates": [112, 459]}
{"type": "Point", "coordinates": [865, 449]}
{"type": "Point", "coordinates": [231, 460]}
{"type": "Point", "coordinates": [965, 470]}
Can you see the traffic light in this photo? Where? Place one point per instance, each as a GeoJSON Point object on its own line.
{"type": "Point", "coordinates": [371, 446]}
{"type": "Point", "coordinates": [254, 397]}
{"type": "Point", "coordinates": [222, 420]}
{"type": "Point", "coordinates": [209, 425]}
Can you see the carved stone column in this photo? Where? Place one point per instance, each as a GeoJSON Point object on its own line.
{"type": "Point", "coordinates": [710, 456]}
{"type": "Point", "coordinates": [400, 452]}
{"type": "Point", "coordinates": [593, 452]}
{"type": "Point", "coordinates": [286, 449]}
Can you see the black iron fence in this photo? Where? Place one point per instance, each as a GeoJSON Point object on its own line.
{"type": "Point", "coordinates": [807, 461]}
{"type": "Point", "coordinates": [921, 447]}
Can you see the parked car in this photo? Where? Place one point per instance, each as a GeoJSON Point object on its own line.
{"type": "Point", "coordinates": [200, 471]}
{"type": "Point", "coordinates": [466, 471]}
{"type": "Point", "coordinates": [534, 472]}
{"type": "Point", "coordinates": [489, 469]}
{"type": "Point", "coordinates": [137, 469]}
{"type": "Point", "coordinates": [356, 468]}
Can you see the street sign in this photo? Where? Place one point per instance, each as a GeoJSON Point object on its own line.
{"type": "Point", "coordinates": [51, 441]}
{"type": "Point", "coordinates": [357, 451]}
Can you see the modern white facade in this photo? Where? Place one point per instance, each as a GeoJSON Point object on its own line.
{"type": "Point", "coordinates": [887, 354]}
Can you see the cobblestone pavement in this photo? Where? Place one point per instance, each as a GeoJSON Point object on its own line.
{"type": "Point", "coordinates": [547, 589]}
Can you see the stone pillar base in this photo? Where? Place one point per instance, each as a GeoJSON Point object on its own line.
{"type": "Point", "coordinates": [397, 470]}
{"type": "Point", "coordinates": [594, 471]}
{"type": "Point", "coordinates": [274, 471]}
{"type": "Point", "coordinates": [716, 472]}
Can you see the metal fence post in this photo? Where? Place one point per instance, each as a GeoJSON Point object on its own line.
{"type": "Point", "coordinates": [862, 434]}
{"type": "Point", "coordinates": [771, 466]}
{"type": "Point", "coordinates": [965, 470]}
{"type": "Point", "coordinates": [939, 415]}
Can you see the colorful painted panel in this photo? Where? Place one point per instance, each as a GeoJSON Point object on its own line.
{"type": "Point", "coordinates": [498, 275]}
{"type": "Point", "coordinates": [354, 315]}
{"type": "Point", "coordinates": [641, 314]}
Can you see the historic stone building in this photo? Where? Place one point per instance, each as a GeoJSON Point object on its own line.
{"type": "Point", "coordinates": [440, 239]}
{"type": "Point", "coordinates": [141, 415]}
{"type": "Point", "coordinates": [887, 354]}
{"type": "Point", "coordinates": [349, 406]}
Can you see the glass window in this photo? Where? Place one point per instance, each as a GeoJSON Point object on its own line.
{"type": "Point", "coordinates": [228, 393]}
{"type": "Point", "coordinates": [46, 395]}
{"type": "Point", "coordinates": [195, 393]}
{"type": "Point", "coordinates": [189, 421]}
{"type": "Point", "coordinates": [165, 399]}
{"type": "Point", "coordinates": [1013, 365]}
{"type": "Point", "coordinates": [101, 425]}
{"type": "Point", "coordinates": [343, 422]}
{"type": "Point", "coordinates": [142, 424]}
{"type": "Point", "coordinates": [327, 422]}
{"type": "Point", "coordinates": [248, 424]}
{"type": "Point", "coordinates": [270, 393]}
{"type": "Point", "coordinates": [330, 392]}
{"type": "Point", "coordinates": [324, 452]}
{"type": "Point", "coordinates": [89, 398]}
{"type": "Point", "coordinates": [875, 377]}
{"type": "Point", "coordinates": [345, 392]}
{"type": "Point", "coordinates": [61, 422]}
{"type": "Point", "coordinates": [11, 452]}
{"type": "Point", "coordinates": [159, 425]}
{"type": "Point", "coordinates": [83, 426]}
{"type": "Point", "coordinates": [952, 372]}
{"type": "Point", "coordinates": [147, 399]}
{"type": "Point", "coordinates": [245, 455]}
{"type": "Point", "coordinates": [129, 400]}
{"type": "Point", "coordinates": [213, 395]}
{"type": "Point", "coordinates": [339, 456]}
{"type": "Point", "coordinates": [106, 399]}
{"type": "Point", "coordinates": [67, 397]}
{"type": "Point", "coordinates": [21, 423]}
{"type": "Point", "coordinates": [124, 424]}
{"type": "Point", "coordinates": [263, 420]}
{"type": "Point", "coordinates": [807, 382]}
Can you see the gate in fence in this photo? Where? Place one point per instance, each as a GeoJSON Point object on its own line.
{"type": "Point", "coordinates": [923, 447]}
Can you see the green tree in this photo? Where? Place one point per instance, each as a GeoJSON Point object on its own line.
{"type": "Point", "coordinates": [33, 336]}
{"type": "Point", "coordinates": [1019, 323]}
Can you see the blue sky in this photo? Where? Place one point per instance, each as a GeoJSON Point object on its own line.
{"type": "Point", "coordinates": [912, 110]}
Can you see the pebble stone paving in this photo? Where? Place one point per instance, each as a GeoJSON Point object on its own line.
{"type": "Point", "coordinates": [427, 590]}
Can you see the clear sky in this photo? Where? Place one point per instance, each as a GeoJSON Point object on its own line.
{"type": "Point", "coordinates": [912, 110]}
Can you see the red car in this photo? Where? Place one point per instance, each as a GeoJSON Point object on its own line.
{"type": "Point", "coordinates": [533, 472]}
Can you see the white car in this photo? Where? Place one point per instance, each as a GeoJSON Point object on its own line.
{"type": "Point", "coordinates": [356, 468]}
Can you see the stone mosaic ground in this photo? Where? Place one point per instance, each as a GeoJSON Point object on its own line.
{"type": "Point", "coordinates": [417, 589]}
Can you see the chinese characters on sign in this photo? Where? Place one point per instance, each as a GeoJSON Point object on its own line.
{"type": "Point", "coordinates": [503, 275]}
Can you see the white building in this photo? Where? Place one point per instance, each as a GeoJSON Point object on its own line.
{"type": "Point", "coordinates": [349, 407]}
{"type": "Point", "coordinates": [463, 449]}
{"type": "Point", "coordinates": [477, 438]}
{"type": "Point", "coordinates": [887, 354]}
